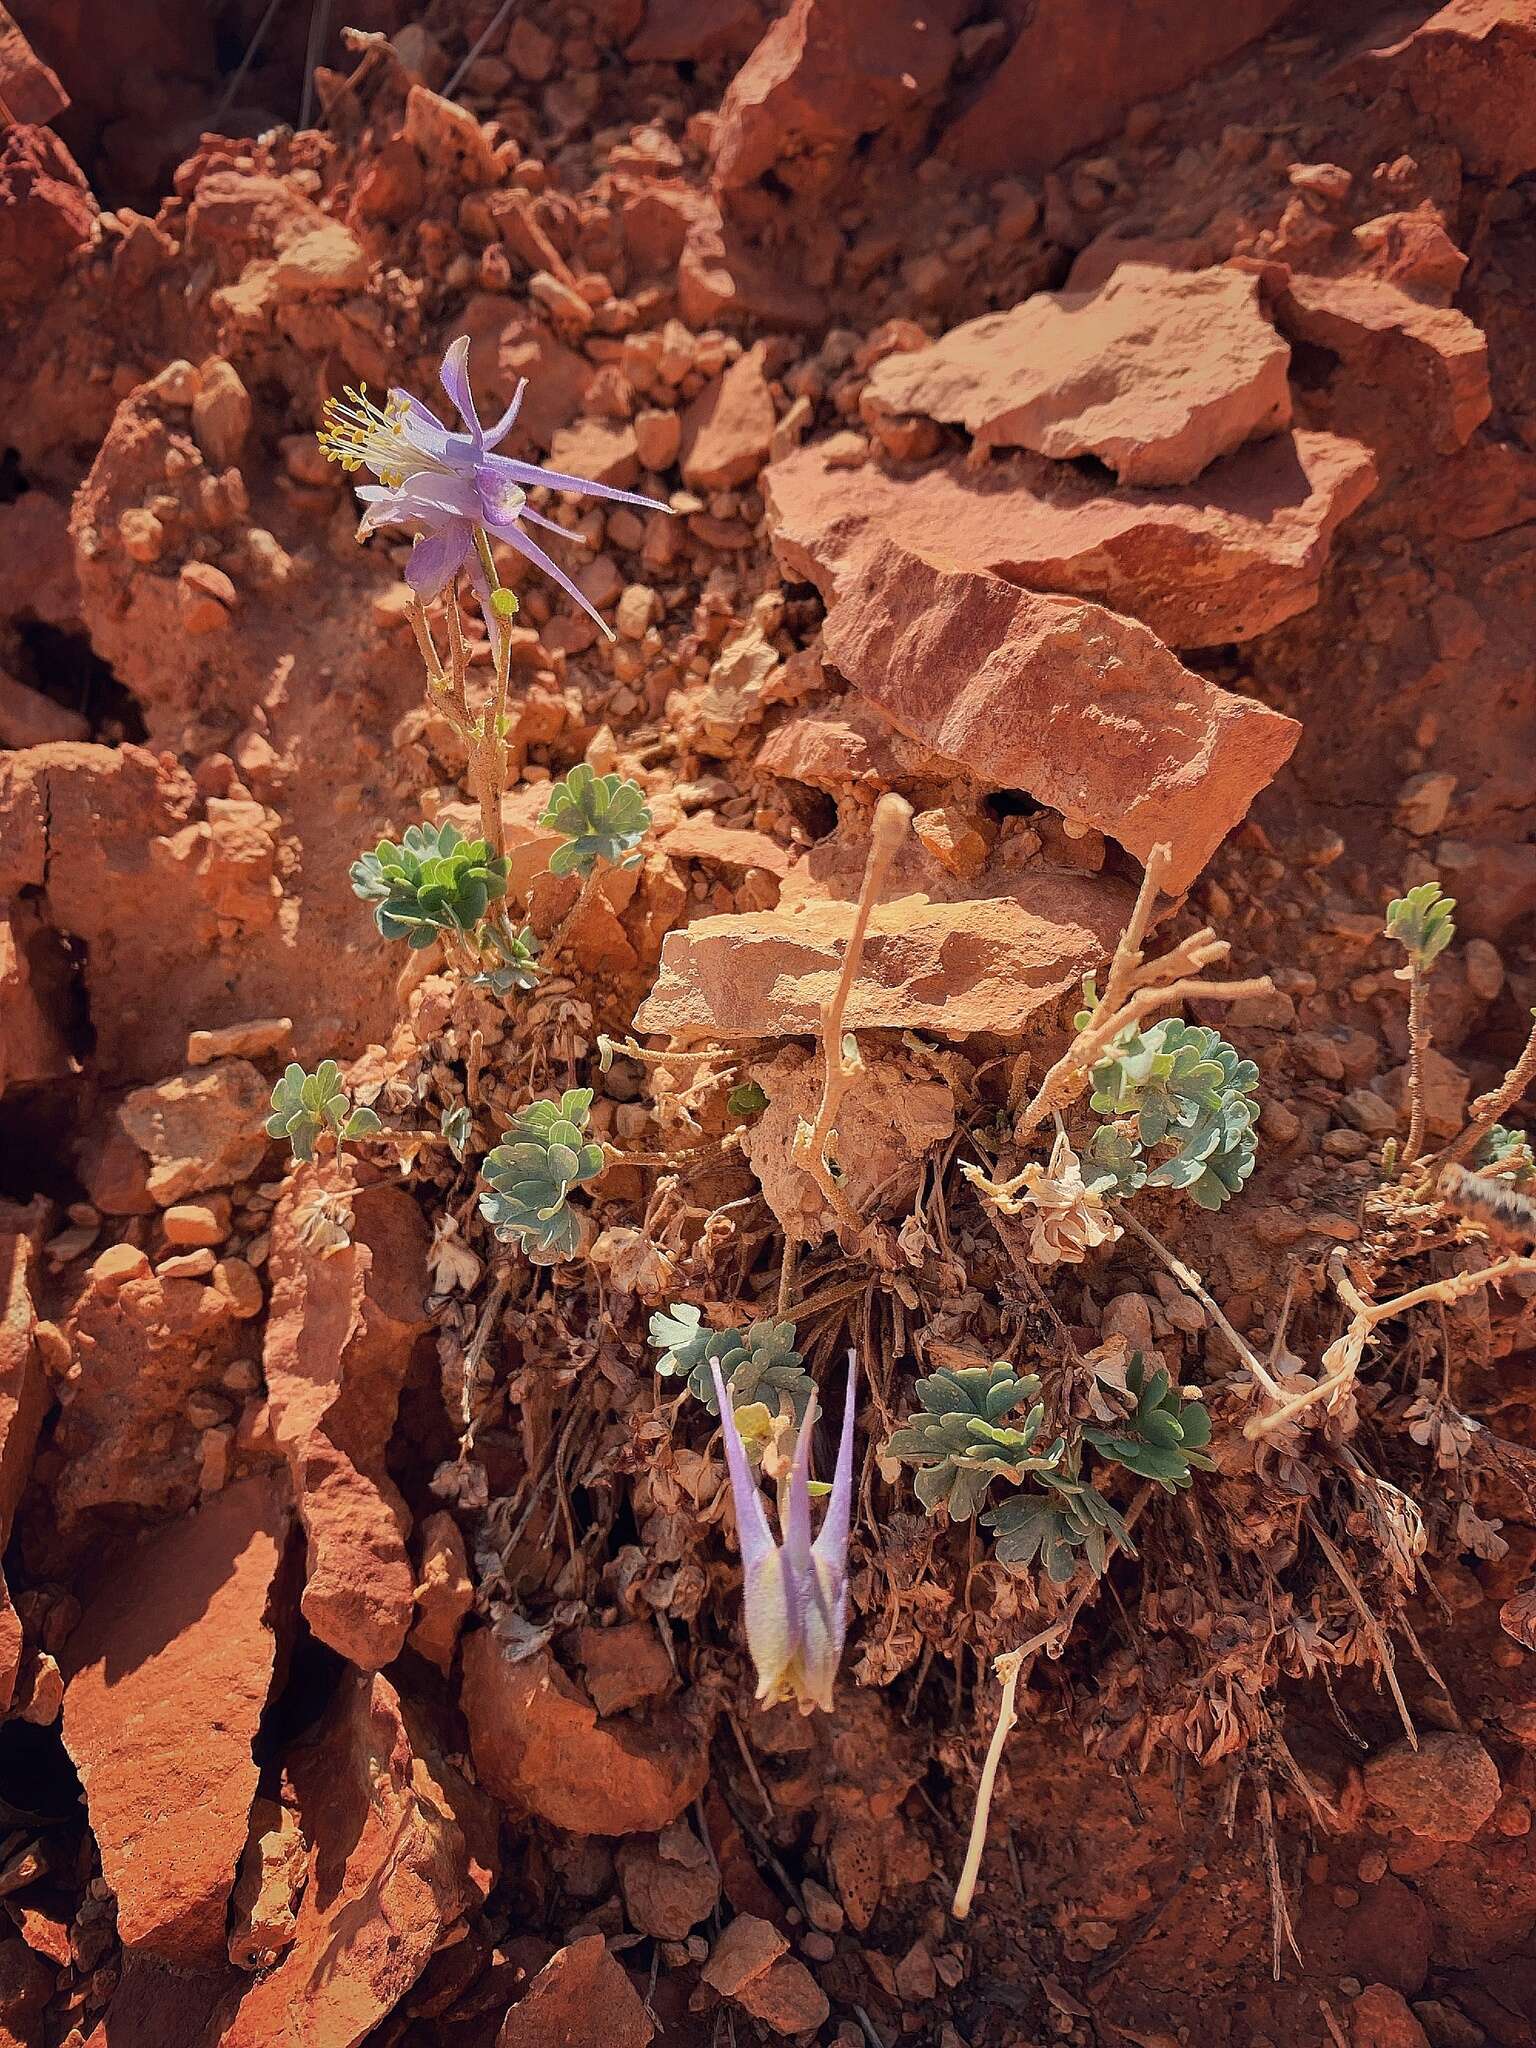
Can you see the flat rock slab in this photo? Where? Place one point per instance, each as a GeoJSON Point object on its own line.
{"type": "Point", "coordinates": [1156, 372]}
{"type": "Point", "coordinates": [168, 1674]}
{"type": "Point", "coordinates": [1221, 561]}
{"type": "Point", "coordinates": [952, 968]}
{"type": "Point", "coordinates": [1083, 708]}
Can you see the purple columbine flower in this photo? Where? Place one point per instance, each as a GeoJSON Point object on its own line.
{"type": "Point", "coordinates": [451, 486]}
{"type": "Point", "coordinates": [796, 1596]}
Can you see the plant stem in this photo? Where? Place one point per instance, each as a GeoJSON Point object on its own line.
{"type": "Point", "coordinates": [1070, 1073]}
{"type": "Point", "coordinates": [1187, 1277]}
{"type": "Point", "coordinates": [1418, 1049]}
{"type": "Point", "coordinates": [815, 1144]}
{"type": "Point", "coordinates": [1489, 1109]}
{"type": "Point", "coordinates": [1008, 1666]}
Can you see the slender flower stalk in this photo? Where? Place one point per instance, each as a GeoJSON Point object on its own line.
{"type": "Point", "coordinates": [452, 488]}
{"type": "Point", "coordinates": [795, 1595]}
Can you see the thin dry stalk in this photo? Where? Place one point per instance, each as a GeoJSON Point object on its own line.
{"type": "Point", "coordinates": [1369, 1622]}
{"type": "Point", "coordinates": [1282, 1933]}
{"type": "Point", "coordinates": [1133, 991]}
{"type": "Point", "coordinates": [1489, 1109]}
{"type": "Point", "coordinates": [1365, 1315]}
{"type": "Point", "coordinates": [815, 1145]}
{"type": "Point", "coordinates": [1188, 1277]}
{"type": "Point", "coordinates": [1008, 1668]}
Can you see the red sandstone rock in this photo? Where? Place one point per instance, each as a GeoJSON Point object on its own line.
{"type": "Point", "coordinates": [951, 968]}
{"type": "Point", "coordinates": [32, 1047]}
{"type": "Point", "coordinates": [142, 1347]}
{"type": "Point", "coordinates": [1074, 71]}
{"type": "Point", "coordinates": [1412, 251]}
{"type": "Point", "coordinates": [1431, 358]}
{"type": "Point", "coordinates": [746, 1948]}
{"type": "Point", "coordinates": [1085, 709]}
{"type": "Point", "coordinates": [539, 1746]}
{"type": "Point", "coordinates": [268, 1886]}
{"type": "Point", "coordinates": [46, 212]}
{"type": "Point", "coordinates": [445, 1593]}
{"type": "Point", "coordinates": [389, 1876]}
{"type": "Point", "coordinates": [1470, 70]}
{"type": "Point", "coordinates": [201, 1129]}
{"type": "Point", "coordinates": [37, 561]}
{"type": "Point", "coordinates": [786, 1997]}
{"type": "Point", "coordinates": [338, 1342]}
{"type": "Point", "coordinates": [168, 1674]}
{"type": "Point", "coordinates": [1382, 2018]}
{"type": "Point", "coordinates": [624, 1666]}
{"type": "Point", "coordinates": [894, 1116]}
{"type": "Point", "coordinates": [154, 883]}
{"type": "Point", "coordinates": [849, 747]}
{"type": "Point", "coordinates": [1221, 561]}
{"type": "Point", "coordinates": [23, 1403]}
{"type": "Point", "coordinates": [827, 73]}
{"type": "Point", "coordinates": [1444, 1790]}
{"type": "Point", "coordinates": [581, 1998]}
{"type": "Point", "coordinates": [1156, 372]}
{"type": "Point", "coordinates": [29, 88]}
{"type": "Point", "coordinates": [693, 31]}
{"type": "Point", "coordinates": [699, 839]}
{"type": "Point", "coordinates": [29, 719]}
{"type": "Point", "coordinates": [727, 428]}
{"type": "Point", "coordinates": [603, 450]}
{"type": "Point", "coordinates": [669, 1884]}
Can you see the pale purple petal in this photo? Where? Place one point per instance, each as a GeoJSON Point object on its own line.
{"type": "Point", "coordinates": [454, 376]}
{"type": "Point", "coordinates": [504, 425]}
{"type": "Point", "coordinates": [532, 518]}
{"type": "Point", "coordinates": [529, 473]}
{"type": "Point", "coordinates": [831, 1545]}
{"type": "Point", "coordinates": [797, 1519]}
{"type": "Point", "coordinates": [751, 1516]}
{"type": "Point", "coordinates": [516, 538]}
{"type": "Point", "coordinates": [423, 428]}
{"type": "Point", "coordinates": [426, 499]}
{"type": "Point", "coordinates": [437, 558]}
{"type": "Point", "coordinates": [501, 497]}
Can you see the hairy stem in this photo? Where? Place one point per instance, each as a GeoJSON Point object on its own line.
{"type": "Point", "coordinates": [1489, 1109]}
{"type": "Point", "coordinates": [1418, 1050]}
{"type": "Point", "coordinates": [1069, 1076]}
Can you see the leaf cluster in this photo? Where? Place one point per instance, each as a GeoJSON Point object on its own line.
{"type": "Point", "coordinates": [1421, 923]}
{"type": "Point", "coordinates": [969, 1436]}
{"type": "Point", "coordinates": [515, 959]}
{"type": "Point", "coordinates": [431, 881]}
{"type": "Point", "coordinates": [1164, 1439]}
{"type": "Point", "coordinates": [530, 1175]}
{"type": "Point", "coordinates": [1506, 1151]}
{"type": "Point", "coordinates": [599, 817]}
{"type": "Point", "coordinates": [961, 1442]}
{"type": "Point", "coordinates": [1178, 1084]}
{"type": "Point", "coordinates": [759, 1363]}
{"type": "Point", "coordinates": [305, 1105]}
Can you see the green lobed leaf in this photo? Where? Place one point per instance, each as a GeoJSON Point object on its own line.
{"type": "Point", "coordinates": [1421, 922]}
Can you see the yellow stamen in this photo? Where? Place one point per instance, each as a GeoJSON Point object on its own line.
{"type": "Point", "coordinates": [360, 433]}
